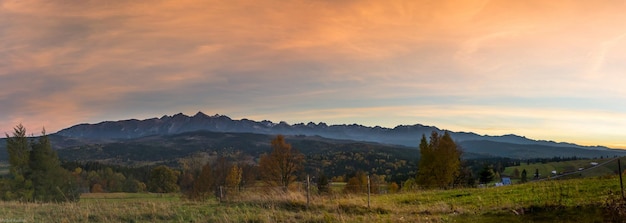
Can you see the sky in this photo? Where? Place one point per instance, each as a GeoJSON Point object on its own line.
{"type": "Point", "coordinates": [551, 70]}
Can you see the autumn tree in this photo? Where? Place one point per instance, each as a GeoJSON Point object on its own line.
{"type": "Point", "coordinates": [440, 161]}
{"type": "Point", "coordinates": [163, 180]}
{"type": "Point", "coordinates": [356, 183]}
{"type": "Point", "coordinates": [279, 167]}
{"type": "Point", "coordinates": [204, 185]}
{"type": "Point", "coordinates": [233, 179]}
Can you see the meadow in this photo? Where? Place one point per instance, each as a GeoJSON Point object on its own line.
{"type": "Point", "coordinates": [575, 168]}
{"type": "Point", "coordinates": [575, 200]}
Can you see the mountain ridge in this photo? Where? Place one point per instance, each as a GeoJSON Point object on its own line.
{"type": "Point", "coordinates": [405, 135]}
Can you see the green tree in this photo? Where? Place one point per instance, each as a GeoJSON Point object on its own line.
{"type": "Point", "coordinates": [409, 185]}
{"type": "Point", "coordinates": [440, 162]}
{"type": "Point", "coordinates": [163, 180]}
{"type": "Point", "coordinates": [19, 187]}
{"type": "Point", "coordinates": [37, 172]}
{"type": "Point", "coordinates": [524, 176]}
{"type": "Point", "coordinates": [51, 182]}
{"type": "Point", "coordinates": [18, 149]}
{"type": "Point", "coordinates": [323, 185]}
{"type": "Point", "coordinates": [133, 185]}
{"type": "Point", "coordinates": [487, 175]}
{"type": "Point", "coordinates": [279, 167]}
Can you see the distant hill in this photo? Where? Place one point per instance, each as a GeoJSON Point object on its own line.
{"type": "Point", "coordinates": [511, 146]}
{"type": "Point", "coordinates": [333, 157]}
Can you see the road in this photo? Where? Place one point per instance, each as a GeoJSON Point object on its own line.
{"type": "Point", "coordinates": [577, 172]}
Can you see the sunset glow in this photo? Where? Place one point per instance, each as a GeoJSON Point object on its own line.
{"type": "Point", "coordinates": [551, 70]}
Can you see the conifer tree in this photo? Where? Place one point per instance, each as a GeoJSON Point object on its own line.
{"type": "Point", "coordinates": [524, 176]}
{"type": "Point", "coordinates": [440, 161]}
{"type": "Point", "coordinates": [36, 170]}
{"type": "Point", "coordinates": [18, 148]}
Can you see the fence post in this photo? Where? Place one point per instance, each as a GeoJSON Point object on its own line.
{"type": "Point", "coordinates": [308, 191]}
{"type": "Point", "coordinates": [621, 183]}
{"type": "Point", "coordinates": [221, 193]}
{"type": "Point", "coordinates": [368, 191]}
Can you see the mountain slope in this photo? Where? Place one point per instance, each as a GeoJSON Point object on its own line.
{"type": "Point", "coordinates": [511, 146]}
{"type": "Point", "coordinates": [334, 157]}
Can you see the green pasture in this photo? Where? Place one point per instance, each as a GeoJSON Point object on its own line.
{"type": "Point", "coordinates": [575, 200]}
{"type": "Point", "coordinates": [588, 170]}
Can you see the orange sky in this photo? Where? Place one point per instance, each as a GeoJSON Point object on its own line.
{"type": "Point", "coordinates": [543, 69]}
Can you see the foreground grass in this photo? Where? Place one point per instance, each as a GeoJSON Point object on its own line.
{"type": "Point", "coordinates": [578, 200]}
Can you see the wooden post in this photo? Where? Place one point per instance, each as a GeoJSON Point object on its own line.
{"type": "Point", "coordinates": [368, 191]}
{"type": "Point", "coordinates": [621, 183]}
{"type": "Point", "coordinates": [221, 193]}
{"type": "Point", "coordinates": [308, 191]}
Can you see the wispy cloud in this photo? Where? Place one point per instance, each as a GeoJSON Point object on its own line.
{"type": "Point", "coordinates": [448, 63]}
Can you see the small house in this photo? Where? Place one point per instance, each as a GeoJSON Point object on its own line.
{"type": "Point", "coordinates": [506, 181]}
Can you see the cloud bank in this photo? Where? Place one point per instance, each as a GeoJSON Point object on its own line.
{"type": "Point", "coordinates": [547, 70]}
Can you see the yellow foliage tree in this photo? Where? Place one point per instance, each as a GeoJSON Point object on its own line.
{"type": "Point", "coordinates": [233, 179]}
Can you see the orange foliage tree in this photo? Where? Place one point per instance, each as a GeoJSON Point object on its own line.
{"type": "Point", "coordinates": [279, 167]}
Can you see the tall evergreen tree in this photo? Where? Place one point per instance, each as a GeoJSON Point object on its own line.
{"type": "Point", "coordinates": [487, 174]}
{"type": "Point", "coordinates": [37, 172]}
{"type": "Point", "coordinates": [18, 148]}
{"type": "Point", "coordinates": [51, 182]}
{"type": "Point", "coordinates": [440, 162]}
{"type": "Point", "coordinates": [524, 176]}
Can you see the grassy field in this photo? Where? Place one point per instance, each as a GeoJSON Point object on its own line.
{"type": "Point", "coordinates": [573, 166]}
{"type": "Point", "coordinates": [576, 200]}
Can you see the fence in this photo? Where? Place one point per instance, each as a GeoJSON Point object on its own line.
{"type": "Point", "coordinates": [540, 193]}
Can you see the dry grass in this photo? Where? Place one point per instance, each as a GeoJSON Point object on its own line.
{"type": "Point", "coordinates": [517, 203]}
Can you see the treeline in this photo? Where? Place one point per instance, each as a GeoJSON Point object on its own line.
{"type": "Point", "coordinates": [35, 171]}
{"type": "Point", "coordinates": [37, 174]}
{"type": "Point", "coordinates": [96, 177]}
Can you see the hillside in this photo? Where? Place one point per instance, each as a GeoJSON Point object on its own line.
{"type": "Point", "coordinates": [334, 157]}
{"type": "Point", "coordinates": [570, 169]}
{"type": "Point", "coordinates": [510, 146]}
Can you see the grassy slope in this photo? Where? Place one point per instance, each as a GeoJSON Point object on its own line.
{"type": "Point", "coordinates": [545, 169]}
{"type": "Point", "coordinates": [583, 196]}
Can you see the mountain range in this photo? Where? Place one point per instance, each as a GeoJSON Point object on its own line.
{"type": "Point", "coordinates": [511, 146]}
{"type": "Point", "coordinates": [98, 141]}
